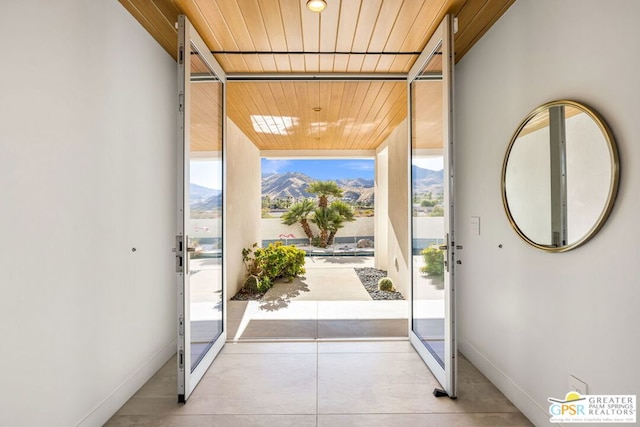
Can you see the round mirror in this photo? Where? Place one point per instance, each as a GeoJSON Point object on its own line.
{"type": "Point", "coordinates": [560, 176]}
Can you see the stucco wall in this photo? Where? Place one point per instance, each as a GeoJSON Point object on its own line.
{"type": "Point", "coordinates": [398, 226]}
{"type": "Point", "coordinates": [382, 208]}
{"type": "Point", "coordinates": [242, 221]}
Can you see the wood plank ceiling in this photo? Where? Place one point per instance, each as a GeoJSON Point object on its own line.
{"type": "Point", "coordinates": [350, 36]}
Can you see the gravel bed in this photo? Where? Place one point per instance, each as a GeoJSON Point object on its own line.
{"type": "Point", "coordinates": [243, 295]}
{"type": "Point", "coordinates": [369, 278]}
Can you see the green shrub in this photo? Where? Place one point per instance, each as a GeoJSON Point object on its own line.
{"type": "Point", "coordinates": [274, 262]}
{"type": "Point", "coordinates": [386, 284]}
{"type": "Point", "coordinates": [434, 262]}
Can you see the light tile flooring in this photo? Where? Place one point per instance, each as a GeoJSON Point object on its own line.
{"type": "Point", "coordinates": [332, 384]}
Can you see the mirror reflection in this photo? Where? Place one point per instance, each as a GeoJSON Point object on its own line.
{"type": "Point", "coordinates": [560, 176]}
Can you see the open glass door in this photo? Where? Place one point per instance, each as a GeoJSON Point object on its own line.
{"type": "Point", "coordinates": [199, 239]}
{"type": "Point", "coordinates": [432, 326]}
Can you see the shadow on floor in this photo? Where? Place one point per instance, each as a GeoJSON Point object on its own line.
{"type": "Point", "coordinates": [286, 292]}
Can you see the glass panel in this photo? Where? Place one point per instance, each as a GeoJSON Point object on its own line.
{"type": "Point", "coordinates": [204, 223]}
{"type": "Point", "coordinates": [428, 207]}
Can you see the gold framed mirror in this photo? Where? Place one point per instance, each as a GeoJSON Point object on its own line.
{"type": "Point", "coordinates": [560, 176]}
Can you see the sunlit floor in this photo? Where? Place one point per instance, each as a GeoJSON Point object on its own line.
{"type": "Point", "coordinates": [329, 301]}
{"type": "Point", "coordinates": [333, 384]}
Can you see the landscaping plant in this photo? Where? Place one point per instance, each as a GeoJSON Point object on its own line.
{"type": "Point", "coordinates": [434, 262]}
{"type": "Point", "coordinates": [266, 265]}
{"type": "Point", "coordinates": [386, 284]}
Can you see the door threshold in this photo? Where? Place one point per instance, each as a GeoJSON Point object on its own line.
{"type": "Point", "coordinates": [303, 340]}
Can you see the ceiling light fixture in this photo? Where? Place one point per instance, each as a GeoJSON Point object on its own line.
{"type": "Point", "coordinates": [317, 109]}
{"type": "Point", "coordinates": [316, 5]}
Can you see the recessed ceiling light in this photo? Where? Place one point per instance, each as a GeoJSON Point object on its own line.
{"type": "Point", "coordinates": [316, 5]}
{"type": "Point", "coordinates": [317, 109]}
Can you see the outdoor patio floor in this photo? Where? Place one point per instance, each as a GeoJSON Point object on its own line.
{"type": "Point", "coordinates": [329, 301]}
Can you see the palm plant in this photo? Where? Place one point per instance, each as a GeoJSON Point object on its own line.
{"type": "Point", "coordinates": [299, 212]}
{"type": "Point", "coordinates": [323, 218]}
{"type": "Point", "coordinates": [343, 213]}
{"type": "Point", "coordinates": [324, 189]}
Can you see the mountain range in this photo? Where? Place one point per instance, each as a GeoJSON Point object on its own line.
{"type": "Point", "coordinates": [204, 198]}
{"type": "Point", "coordinates": [294, 185]}
{"type": "Point", "coordinates": [427, 180]}
{"type": "Point", "coordinates": [356, 190]}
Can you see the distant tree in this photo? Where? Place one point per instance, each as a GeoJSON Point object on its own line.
{"type": "Point", "coordinates": [299, 212]}
{"type": "Point", "coordinates": [266, 202]}
{"type": "Point", "coordinates": [437, 211]}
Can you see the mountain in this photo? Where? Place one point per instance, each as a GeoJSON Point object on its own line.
{"type": "Point", "coordinates": [210, 204]}
{"type": "Point", "coordinates": [199, 193]}
{"type": "Point", "coordinates": [294, 184]}
{"type": "Point", "coordinates": [426, 180]}
{"type": "Point", "coordinates": [290, 184]}
{"type": "Point", "coordinates": [355, 183]}
{"type": "Point", "coordinates": [204, 198]}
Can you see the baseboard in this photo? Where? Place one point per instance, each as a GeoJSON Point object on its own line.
{"type": "Point", "coordinates": [114, 401]}
{"type": "Point", "coordinates": [525, 403]}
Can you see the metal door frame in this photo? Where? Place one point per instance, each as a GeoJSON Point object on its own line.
{"type": "Point", "coordinates": [187, 380]}
{"type": "Point", "coordinates": [443, 37]}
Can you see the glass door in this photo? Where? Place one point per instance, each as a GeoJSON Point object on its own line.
{"type": "Point", "coordinates": [432, 326]}
{"type": "Point", "coordinates": [199, 239]}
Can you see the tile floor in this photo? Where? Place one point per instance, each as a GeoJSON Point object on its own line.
{"type": "Point", "coordinates": [332, 384]}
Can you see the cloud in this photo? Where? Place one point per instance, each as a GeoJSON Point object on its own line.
{"type": "Point", "coordinates": [273, 166]}
{"type": "Point", "coordinates": [364, 165]}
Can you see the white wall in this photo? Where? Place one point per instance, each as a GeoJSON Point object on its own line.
{"type": "Point", "coordinates": [244, 207]}
{"type": "Point", "coordinates": [529, 318]}
{"type": "Point", "coordinates": [87, 169]}
{"type": "Point", "coordinates": [272, 228]}
{"type": "Point", "coordinates": [398, 227]}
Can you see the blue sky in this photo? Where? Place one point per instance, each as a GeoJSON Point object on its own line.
{"type": "Point", "coordinates": [207, 173]}
{"type": "Point", "coordinates": [321, 169]}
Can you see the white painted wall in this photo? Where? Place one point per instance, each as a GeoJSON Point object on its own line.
{"type": "Point", "coordinates": [398, 227]}
{"type": "Point", "coordinates": [87, 166]}
{"type": "Point", "coordinates": [528, 318]}
{"type": "Point", "coordinates": [244, 208]}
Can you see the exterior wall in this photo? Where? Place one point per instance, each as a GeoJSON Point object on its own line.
{"type": "Point", "coordinates": [243, 224]}
{"type": "Point", "coordinates": [528, 318]}
{"type": "Point", "coordinates": [273, 228]}
{"type": "Point", "coordinates": [398, 226]}
{"type": "Point", "coordinates": [87, 166]}
{"type": "Point", "coordinates": [382, 209]}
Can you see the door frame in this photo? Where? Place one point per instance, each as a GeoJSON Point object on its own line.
{"type": "Point", "coordinates": [446, 376]}
{"type": "Point", "coordinates": [187, 379]}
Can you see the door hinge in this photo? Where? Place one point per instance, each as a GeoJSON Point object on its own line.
{"type": "Point", "coordinates": [179, 251]}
